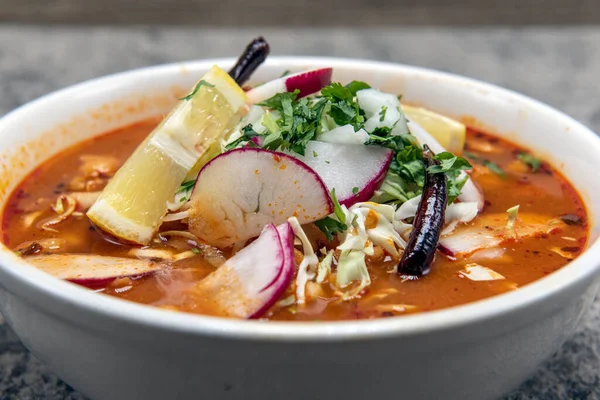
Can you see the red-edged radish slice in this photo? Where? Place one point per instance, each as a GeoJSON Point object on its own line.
{"type": "Point", "coordinates": [355, 171]}
{"type": "Point", "coordinates": [241, 191]}
{"type": "Point", "coordinates": [307, 82]}
{"type": "Point", "coordinates": [488, 231]}
{"type": "Point", "coordinates": [470, 192]}
{"type": "Point", "coordinates": [92, 270]}
{"type": "Point", "coordinates": [251, 281]}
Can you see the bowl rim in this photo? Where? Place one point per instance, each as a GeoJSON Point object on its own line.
{"type": "Point", "coordinates": [27, 282]}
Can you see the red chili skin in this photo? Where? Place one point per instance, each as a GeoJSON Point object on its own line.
{"type": "Point", "coordinates": [423, 241]}
{"type": "Point", "coordinates": [254, 55]}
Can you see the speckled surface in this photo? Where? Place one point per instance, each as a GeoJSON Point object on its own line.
{"type": "Point", "coordinates": [558, 66]}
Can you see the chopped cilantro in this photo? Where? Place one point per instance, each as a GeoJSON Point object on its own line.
{"type": "Point", "coordinates": [382, 113]}
{"type": "Point", "coordinates": [355, 190]}
{"type": "Point", "coordinates": [449, 162]}
{"type": "Point", "coordinates": [247, 134]}
{"type": "Point", "coordinates": [196, 88]}
{"type": "Point", "coordinates": [343, 109]}
{"type": "Point", "coordinates": [330, 227]}
{"type": "Point", "coordinates": [286, 73]}
{"type": "Point", "coordinates": [355, 86]}
{"type": "Point", "coordinates": [452, 165]}
{"type": "Point", "coordinates": [195, 250]}
{"type": "Point", "coordinates": [185, 186]}
{"type": "Point", "coordinates": [531, 161]}
{"type": "Point", "coordinates": [298, 124]}
{"type": "Point", "coordinates": [495, 168]}
{"type": "Point", "coordinates": [327, 162]}
{"type": "Point", "coordinates": [337, 209]}
{"type": "Point", "coordinates": [315, 154]}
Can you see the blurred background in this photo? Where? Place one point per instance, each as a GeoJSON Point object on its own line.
{"type": "Point", "coordinates": [547, 49]}
{"type": "Point", "coordinates": [242, 13]}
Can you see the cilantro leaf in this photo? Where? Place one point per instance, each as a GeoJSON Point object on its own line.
{"type": "Point", "coordinates": [495, 168]}
{"type": "Point", "coordinates": [382, 113]}
{"type": "Point", "coordinates": [335, 91]}
{"type": "Point", "coordinates": [529, 160]}
{"type": "Point", "coordinates": [330, 227]}
{"type": "Point", "coordinates": [449, 162]}
{"type": "Point", "coordinates": [452, 166]}
{"type": "Point", "coordinates": [344, 110]}
{"type": "Point", "coordinates": [455, 185]}
{"type": "Point", "coordinates": [355, 86]}
{"type": "Point", "coordinates": [247, 134]}
{"type": "Point", "coordinates": [196, 88]}
{"type": "Point", "coordinates": [337, 209]}
{"type": "Point", "coordinates": [275, 102]}
{"type": "Point", "coordinates": [185, 186]}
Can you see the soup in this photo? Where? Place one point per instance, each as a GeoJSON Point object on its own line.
{"type": "Point", "coordinates": [323, 202]}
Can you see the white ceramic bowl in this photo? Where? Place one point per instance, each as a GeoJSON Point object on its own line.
{"type": "Point", "coordinates": [112, 349]}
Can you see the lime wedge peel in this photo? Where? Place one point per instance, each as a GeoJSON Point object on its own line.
{"type": "Point", "coordinates": [132, 205]}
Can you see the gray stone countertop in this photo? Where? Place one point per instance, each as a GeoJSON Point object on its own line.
{"type": "Point", "coordinates": [558, 66]}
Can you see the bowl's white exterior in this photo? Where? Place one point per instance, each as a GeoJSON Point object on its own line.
{"type": "Point", "coordinates": [110, 349]}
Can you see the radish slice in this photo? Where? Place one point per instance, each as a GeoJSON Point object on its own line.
{"type": "Point", "coordinates": [488, 231]}
{"type": "Point", "coordinates": [251, 281]}
{"type": "Point", "coordinates": [241, 191]}
{"type": "Point", "coordinates": [344, 134]}
{"type": "Point", "coordinates": [371, 101]}
{"type": "Point", "coordinates": [355, 171]}
{"type": "Point", "coordinates": [307, 82]}
{"type": "Point", "coordinates": [92, 270]}
{"type": "Point", "coordinates": [470, 192]}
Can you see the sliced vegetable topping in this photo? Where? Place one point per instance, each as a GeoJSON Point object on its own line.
{"type": "Point", "coordinates": [354, 171]}
{"type": "Point", "coordinates": [241, 191]}
{"type": "Point", "coordinates": [92, 270]}
{"type": "Point", "coordinates": [133, 203]}
{"type": "Point", "coordinates": [253, 280]}
{"type": "Point", "coordinates": [306, 83]}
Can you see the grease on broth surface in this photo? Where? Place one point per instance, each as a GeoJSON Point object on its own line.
{"type": "Point", "coordinates": [506, 182]}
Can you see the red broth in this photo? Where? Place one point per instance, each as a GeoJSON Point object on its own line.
{"type": "Point", "coordinates": [544, 192]}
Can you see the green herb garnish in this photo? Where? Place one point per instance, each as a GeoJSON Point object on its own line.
{"type": "Point", "coordinates": [495, 168]}
{"type": "Point", "coordinates": [196, 88]}
{"type": "Point", "coordinates": [337, 208]}
{"type": "Point", "coordinates": [343, 109]}
{"type": "Point", "coordinates": [382, 113]}
{"type": "Point", "coordinates": [297, 124]}
{"type": "Point", "coordinates": [355, 190]}
{"type": "Point", "coordinates": [452, 166]}
{"type": "Point", "coordinates": [529, 160]}
{"type": "Point", "coordinates": [185, 186]}
{"type": "Point", "coordinates": [330, 227]}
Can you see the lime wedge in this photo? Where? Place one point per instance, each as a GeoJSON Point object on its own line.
{"type": "Point", "coordinates": [449, 132]}
{"type": "Point", "coordinates": [134, 202]}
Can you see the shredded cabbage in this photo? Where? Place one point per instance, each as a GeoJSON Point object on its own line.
{"type": "Point", "coordinates": [358, 241]}
{"type": "Point", "coordinates": [308, 266]}
{"type": "Point", "coordinates": [324, 268]}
